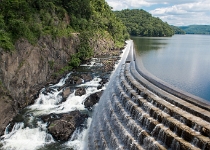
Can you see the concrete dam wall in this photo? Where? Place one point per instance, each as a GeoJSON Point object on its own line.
{"type": "Point", "coordinates": [134, 113]}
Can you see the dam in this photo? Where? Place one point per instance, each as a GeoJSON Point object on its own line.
{"type": "Point", "coordinates": [138, 111]}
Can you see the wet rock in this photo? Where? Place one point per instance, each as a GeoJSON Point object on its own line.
{"type": "Point", "coordinates": [108, 65]}
{"type": "Point", "coordinates": [88, 63]}
{"type": "Point", "coordinates": [51, 117]}
{"type": "Point", "coordinates": [63, 86]}
{"type": "Point", "coordinates": [92, 100]}
{"type": "Point", "coordinates": [74, 79]}
{"type": "Point", "coordinates": [79, 81]}
{"type": "Point", "coordinates": [48, 90]}
{"type": "Point", "coordinates": [63, 128]}
{"type": "Point", "coordinates": [80, 91]}
{"type": "Point", "coordinates": [87, 77]}
{"type": "Point", "coordinates": [102, 82]}
{"type": "Point", "coordinates": [67, 91]}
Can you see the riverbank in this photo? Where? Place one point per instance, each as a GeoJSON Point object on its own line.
{"type": "Point", "coordinates": [79, 90]}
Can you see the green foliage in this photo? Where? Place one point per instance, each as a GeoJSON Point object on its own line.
{"type": "Point", "coordinates": [75, 61]}
{"type": "Point", "coordinates": [31, 19]}
{"type": "Point", "coordinates": [177, 30]}
{"type": "Point", "coordinates": [51, 64]}
{"type": "Point", "coordinates": [141, 23]}
{"type": "Point", "coordinates": [5, 41]}
{"type": "Point", "coordinates": [196, 29]}
{"type": "Point", "coordinates": [84, 51]}
{"type": "Point", "coordinates": [80, 8]}
{"type": "Point", "coordinates": [2, 24]}
{"type": "Point", "coordinates": [104, 19]}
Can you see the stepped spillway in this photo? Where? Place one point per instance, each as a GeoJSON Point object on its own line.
{"type": "Point", "coordinates": [136, 113]}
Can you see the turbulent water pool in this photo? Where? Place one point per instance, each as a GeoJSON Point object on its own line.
{"type": "Point", "coordinates": [30, 132]}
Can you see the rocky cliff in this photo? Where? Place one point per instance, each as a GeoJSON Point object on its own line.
{"type": "Point", "coordinates": [26, 70]}
{"type": "Point", "coordinates": [53, 27]}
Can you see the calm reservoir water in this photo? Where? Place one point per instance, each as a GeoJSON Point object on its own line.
{"type": "Point", "coordinates": [182, 60]}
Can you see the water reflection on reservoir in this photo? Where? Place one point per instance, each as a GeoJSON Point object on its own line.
{"type": "Point", "coordinates": [181, 60]}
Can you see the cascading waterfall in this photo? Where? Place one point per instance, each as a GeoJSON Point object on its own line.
{"type": "Point", "coordinates": [138, 115]}
{"type": "Point", "coordinates": [31, 133]}
{"type": "Point", "coordinates": [23, 137]}
{"type": "Point", "coordinates": [128, 116]}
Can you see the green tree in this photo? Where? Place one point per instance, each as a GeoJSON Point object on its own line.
{"type": "Point", "coordinates": [141, 23]}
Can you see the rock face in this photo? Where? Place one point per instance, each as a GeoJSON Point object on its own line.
{"type": "Point", "coordinates": [27, 69]}
{"type": "Point", "coordinates": [63, 128]}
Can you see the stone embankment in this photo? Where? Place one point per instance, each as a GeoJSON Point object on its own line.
{"type": "Point", "coordinates": [136, 114]}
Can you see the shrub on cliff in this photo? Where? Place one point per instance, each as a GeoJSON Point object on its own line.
{"type": "Point", "coordinates": [5, 41]}
{"type": "Point", "coordinates": [31, 19]}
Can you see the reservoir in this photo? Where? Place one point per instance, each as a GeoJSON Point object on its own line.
{"type": "Point", "coordinates": [182, 61]}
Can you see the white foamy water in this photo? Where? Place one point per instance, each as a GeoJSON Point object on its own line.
{"type": "Point", "coordinates": [21, 138]}
{"type": "Point", "coordinates": [35, 136]}
{"type": "Point", "coordinates": [62, 81]}
{"type": "Point", "coordinates": [94, 62]}
{"type": "Point", "coordinates": [25, 138]}
{"type": "Point", "coordinates": [78, 140]}
{"type": "Point", "coordinates": [50, 103]}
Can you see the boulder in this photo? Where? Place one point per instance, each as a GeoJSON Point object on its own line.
{"type": "Point", "coordinates": [51, 117]}
{"type": "Point", "coordinates": [62, 128]}
{"type": "Point", "coordinates": [92, 100]}
{"type": "Point", "coordinates": [66, 92]}
{"type": "Point", "coordinates": [79, 81]}
{"type": "Point", "coordinates": [87, 77]}
{"type": "Point", "coordinates": [74, 79]}
{"type": "Point", "coordinates": [80, 91]}
{"type": "Point", "coordinates": [102, 82]}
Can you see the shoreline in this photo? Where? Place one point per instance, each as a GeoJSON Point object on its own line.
{"type": "Point", "coordinates": [188, 97]}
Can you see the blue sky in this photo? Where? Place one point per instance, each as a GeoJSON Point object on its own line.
{"type": "Point", "coordinates": [175, 12]}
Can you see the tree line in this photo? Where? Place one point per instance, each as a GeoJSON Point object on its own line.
{"type": "Point", "coordinates": [196, 29]}
{"type": "Point", "coordinates": [142, 23]}
{"type": "Point", "coordinates": [31, 19]}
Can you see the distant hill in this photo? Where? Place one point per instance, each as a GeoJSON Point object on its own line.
{"type": "Point", "coordinates": [196, 29]}
{"type": "Point", "coordinates": [177, 30]}
{"type": "Point", "coordinates": [142, 23]}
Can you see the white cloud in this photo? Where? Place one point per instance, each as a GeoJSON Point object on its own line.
{"type": "Point", "coordinates": [185, 14]}
{"type": "Point", "coordinates": [124, 4]}
{"type": "Point", "coordinates": [175, 12]}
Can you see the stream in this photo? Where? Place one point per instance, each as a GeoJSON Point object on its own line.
{"type": "Point", "coordinates": [29, 132]}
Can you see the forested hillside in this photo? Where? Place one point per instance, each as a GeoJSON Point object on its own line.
{"type": "Point", "coordinates": [141, 23]}
{"type": "Point", "coordinates": [177, 30]}
{"type": "Point", "coordinates": [31, 19]}
{"type": "Point", "coordinates": [41, 40]}
{"type": "Point", "coordinates": [196, 29]}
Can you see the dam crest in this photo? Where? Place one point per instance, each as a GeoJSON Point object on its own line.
{"type": "Point", "coordinates": [138, 112]}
